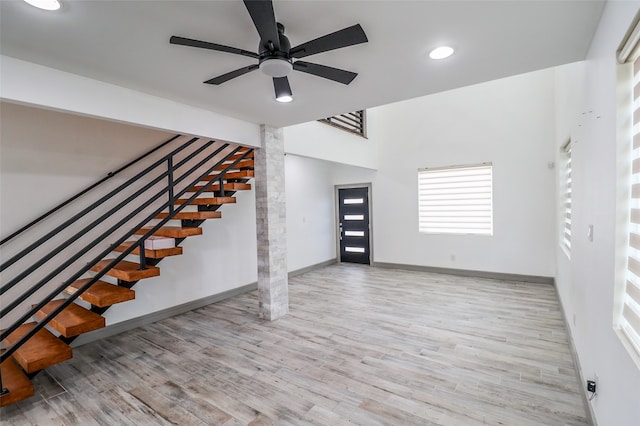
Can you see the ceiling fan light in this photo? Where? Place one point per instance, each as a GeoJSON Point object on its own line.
{"type": "Point", "coordinates": [45, 4]}
{"type": "Point", "coordinates": [441, 52]}
{"type": "Point", "coordinates": [276, 67]}
{"type": "Point", "coordinates": [282, 89]}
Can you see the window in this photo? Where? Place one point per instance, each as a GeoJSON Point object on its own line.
{"type": "Point", "coordinates": [354, 122]}
{"type": "Point", "coordinates": [456, 200]}
{"type": "Point", "coordinates": [565, 238]}
{"type": "Point", "coordinates": [627, 309]}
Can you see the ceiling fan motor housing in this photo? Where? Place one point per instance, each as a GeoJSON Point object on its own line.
{"type": "Point", "coordinates": [274, 66]}
{"type": "Point", "coordinates": [276, 63]}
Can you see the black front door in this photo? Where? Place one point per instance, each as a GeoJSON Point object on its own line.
{"type": "Point", "coordinates": [354, 225]}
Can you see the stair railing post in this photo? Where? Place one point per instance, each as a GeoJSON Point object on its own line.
{"type": "Point", "coordinates": [143, 256]}
{"type": "Point", "coordinates": [170, 177]}
{"type": "Point", "coordinates": [3, 390]}
{"type": "Point", "coordinates": [221, 192]}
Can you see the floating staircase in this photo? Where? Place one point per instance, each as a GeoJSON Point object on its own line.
{"type": "Point", "coordinates": [78, 307]}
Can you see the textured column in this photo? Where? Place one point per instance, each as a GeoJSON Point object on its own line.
{"type": "Point", "coordinates": [271, 222]}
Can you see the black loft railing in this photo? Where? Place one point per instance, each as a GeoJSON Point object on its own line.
{"type": "Point", "coordinates": [86, 190]}
{"type": "Point", "coordinates": [353, 122]}
{"type": "Point", "coordinates": [201, 162]}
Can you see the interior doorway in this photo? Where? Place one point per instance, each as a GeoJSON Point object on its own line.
{"type": "Point", "coordinates": [354, 225]}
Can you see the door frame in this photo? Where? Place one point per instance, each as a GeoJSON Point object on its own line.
{"type": "Point", "coordinates": [337, 216]}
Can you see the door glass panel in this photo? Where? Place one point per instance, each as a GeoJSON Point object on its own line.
{"type": "Point", "coordinates": [354, 249]}
{"type": "Point", "coordinates": [354, 233]}
{"type": "Point", "coordinates": [353, 217]}
{"type": "Point", "coordinates": [354, 200]}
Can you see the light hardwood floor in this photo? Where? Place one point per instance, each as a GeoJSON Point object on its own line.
{"type": "Point", "coordinates": [361, 345]}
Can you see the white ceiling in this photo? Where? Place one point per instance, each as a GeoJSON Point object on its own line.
{"type": "Point", "coordinates": [127, 43]}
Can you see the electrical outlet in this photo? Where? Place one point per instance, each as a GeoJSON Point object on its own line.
{"type": "Point", "coordinates": [591, 386]}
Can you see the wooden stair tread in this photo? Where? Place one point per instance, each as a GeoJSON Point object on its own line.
{"type": "Point", "coordinates": [242, 164]}
{"type": "Point", "coordinates": [207, 201]}
{"type": "Point", "coordinates": [101, 294]}
{"type": "Point", "coordinates": [229, 186]}
{"type": "Point", "coordinates": [41, 351]}
{"type": "Point", "coordinates": [14, 379]}
{"type": "Point", "coordinates": [241, 174]}
{"type": "Point", "coordinates": [191, 215]}
{"type": "Point", "coordinates": [172, 231]}
{"type": "Point", "coordinates": [240, 154]}
{"type": "Point", "coordinates": [127, 271]}
{"type": "Point", "coordinates": [245, 162]}
{"type": "Point", "coordinates": [73, 320]}
{"type": "Point", "coordinates": [151, 254]}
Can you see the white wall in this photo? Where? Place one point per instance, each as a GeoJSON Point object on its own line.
{"type": "Point", "coordinates": [508, 122]}
{"type": "Point", "coordinates": [586, 112]}
{"type": "Point", "coordinates": [221, 259]}
{"type": "Point", "coordinates": [310, 212]}
{"type": "Point", "coordinates": [319, 140]}
{"type": "Point", "coordinates": [311, 225]}
{"type": "Point", "coordinates": [31, 84]}
{"type": "Point", "coordinates": [47, 156]}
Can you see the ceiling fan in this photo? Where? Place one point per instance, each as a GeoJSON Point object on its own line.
{"type": "Point", "coordinates": [276, 58]}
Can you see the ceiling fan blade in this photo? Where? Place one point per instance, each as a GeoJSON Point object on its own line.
{"type": "Point", "coordinates": [282, 88]}
{"type": "Point", "coordinates": [264, 19]}
{"type": "Point", "coordinates": [212, 46]}
{"type": "Point", "coordinates": [335, 74]}
{"type": "Point", "coordinates": [343, 38]}
{"type": "Point", "coordinates": [230, 75]}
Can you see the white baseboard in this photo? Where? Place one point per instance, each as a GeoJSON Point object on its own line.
{"type": "Point", "coordinates": [311, 268]}
{"type": "Point", "coordinates": [127, 325]}
{"type": "Point", "coordinates": [468, 273]}
{"type": "Point", "coordinates": [582, 380]}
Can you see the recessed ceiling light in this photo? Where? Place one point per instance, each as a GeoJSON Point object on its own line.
{"type": "Point", "coordinates": [284, 99]}
{"type": "Point", "coordinates": [441, 52]}
{"type": "Point", "coordinates": [45, 4]}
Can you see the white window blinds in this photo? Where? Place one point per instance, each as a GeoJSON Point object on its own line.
{"type": "Point", "coordinates": [629, 321]}
{"type": "Point", "coordinates": [628, 302]}
{"type": "Point", "coordinates": [565, 238]}
{"type": "Point", "coordinates": [456, 200]}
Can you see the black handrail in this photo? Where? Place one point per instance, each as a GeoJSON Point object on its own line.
{"type": "Point", "coordinates": [125, 253]}
{"type": "Point", "coordinates": [84, 191]}
{"type": "Point", "coordinates": [81, 214]}
{"type": "Point", "coordinates": [75, 237]}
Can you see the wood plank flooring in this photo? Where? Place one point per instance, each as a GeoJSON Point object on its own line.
{"type": "Point", "coordinates": [361, 345]}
